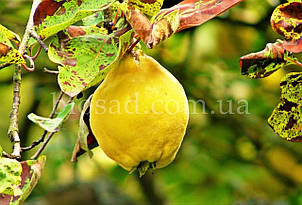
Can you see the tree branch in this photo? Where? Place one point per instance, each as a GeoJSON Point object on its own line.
{"type": "Point", "coordinates": [13, 131]}
{"type": "Point", "coordinates": [40, 41]}
{"type": "Point", "coordinates": [35, 143]}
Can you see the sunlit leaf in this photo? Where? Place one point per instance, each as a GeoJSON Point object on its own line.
{"type": "Point", "coordinates": [52, 125]}
{"type": "Point", "coordinates": [8, 54]}
{"type": "Point", "coordinates": [287, 21]}
{"type": "Point", "coordinates": [286, 119]}
{"type": "Point", "coordinates": [53, 16]}
{"type": "Point", "coordinates": [28, 174]}
{"type": "Point", "coordinates": [85, 53]}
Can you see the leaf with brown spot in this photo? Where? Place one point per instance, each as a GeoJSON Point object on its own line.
{"type": "Point", "coordinates": [287, 21]}
{"type": "Point", "coordinates": [52, 16]}
{"type": "Point", "coordinates": [266, 62]}
{"type": "Point", "coordinates": [8, 54]}
{"type": "Point", "coordinates": [84, 54]}
{"type": "Point", "coordinates": [30, 172]}
{"type": "Point", "coordinates": [149, 7]}
{"type": "Point", "coordinates": [286, 119]}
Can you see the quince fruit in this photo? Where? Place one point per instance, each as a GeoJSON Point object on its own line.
{"type": "Point", "coordinates": [139, 114]}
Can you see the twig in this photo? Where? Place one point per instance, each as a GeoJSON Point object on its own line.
{"type": "Point", "coordinates": [51, 71]}
{"type": "Point", "coordinates": [36, 155]}
{"type": "Point", "coordinates": [40, 41]}
{"type": "Point", "coordinates": [35, 143]}
{"type": "Point", "coordinates": [48, 138]}
{"type": "Point", "coordinates": [4, 154]}
{"type": "Point", "coordinates": [37, 54]}
{"type": "Point", "coordinates": [13, 131]}
{"type": "Point", "coordinates": [31, 68]}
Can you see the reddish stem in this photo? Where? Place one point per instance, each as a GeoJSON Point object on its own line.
{"type": "Point", "coordinates": [293, 61]}
{"type": "Point", "coordinates": [134, 44]}
{"type": "Point", "coordinates": [27, 68]}
{"type": "Point", "coordinates": [115, 19]}
{"type": "Point", "coordinates": [37, 54]}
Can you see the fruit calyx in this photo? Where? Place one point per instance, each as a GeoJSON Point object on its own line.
{"type": "Point", "coordinates": [143, 167]}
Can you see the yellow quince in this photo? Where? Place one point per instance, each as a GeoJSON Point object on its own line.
{"type": "Point", "coordinates": [139, 114]}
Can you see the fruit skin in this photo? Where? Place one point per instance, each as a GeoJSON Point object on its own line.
{"type": "Point", "coordinates": [139, 114]}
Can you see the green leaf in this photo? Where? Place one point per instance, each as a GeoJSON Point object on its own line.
{"type": "Point", "coordinates": [51, 125]}
{"type": "Point", "coordinates": [83, 128]}
{"type": "Point", "coordinates": [286, 119]}
{"type": "Point", "coordinates": [8, 54]}
{"type": "Point", "coordinates": [10, 177]}
{"type": "Point", "coordinates": [85, 53]}
{"type": "Point", "coordinates": [86, 140]}
{"type": "Point", "coordinates": [94, 19]}
{"type": "Point", "coordinates": [100, 18]}
{"type": "Point", "coordinates": [28, 175]}
{"type": "Point", "coordinates": [53, 16]}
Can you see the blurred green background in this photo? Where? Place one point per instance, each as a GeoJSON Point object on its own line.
{"type": "Point", "coordinates": [224, 159]}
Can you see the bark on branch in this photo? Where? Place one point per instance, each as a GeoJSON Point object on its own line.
{"type": "Point", "coordinates": [13, 130]}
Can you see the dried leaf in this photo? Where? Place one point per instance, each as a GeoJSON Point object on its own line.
{"type": "Point", "coordinates": [287, 21]}
{"type": "Point", "coordinates": [85, 53]}
{"type": "Point", "coordinates": [286, 119]}
{"type": "Point", "coordinates": [52, 125]}
{"type": "Point", "coordinates": [264, 63]}
{"type": "Point", "coordinates": [29, 173]}
{"type": "Point", "coordinates": [52, 16]}
{"type": "Point", "coordinates": [196, 12]}
{"type": "Point", "coordinates": [188, 13]}
{"type": "Point", "coordinates": [163, 28]}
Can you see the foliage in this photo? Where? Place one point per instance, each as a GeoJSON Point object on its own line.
{"type": "Point", "coordinates": [52, 125]}
{"type": "Point", "coordinates": [18, 178]}
{"type": "Point", "coordinates": [285, 20]}
{"type": "Point", "coordinates": [8, 54]}
{"type": "Point", "coordinates": [226, 158]}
